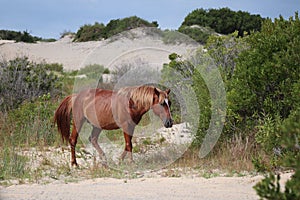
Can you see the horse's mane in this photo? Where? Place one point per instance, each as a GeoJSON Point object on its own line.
{"type": "Point", "coordinates": [142, 96]}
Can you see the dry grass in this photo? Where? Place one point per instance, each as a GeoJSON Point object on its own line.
{"type": "Point", "coordinates": [233, 155]}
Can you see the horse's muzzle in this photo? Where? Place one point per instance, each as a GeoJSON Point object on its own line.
{"type": "Point", "coordinates": [168, 123]}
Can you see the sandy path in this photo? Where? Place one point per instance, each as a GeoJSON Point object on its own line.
{"type": "Point", "coordinates": [142, 188]}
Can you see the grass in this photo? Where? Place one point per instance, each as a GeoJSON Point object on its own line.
{"type": "Point", "coordinates": [17, 166]}
{"type": "Point", "coordinates": [13, 165]}
{"type": "Point", "coordinates": [43, 164]}
{"type": "Point", "coordinates": [29, 138]}
{"type": "Point", "coordinates": [40, 158]}
{"type": "Point", "coordinates": [234, 155]}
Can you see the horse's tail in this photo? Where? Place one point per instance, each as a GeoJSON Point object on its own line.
{"type": "Point", "coordinates": [62, 117]}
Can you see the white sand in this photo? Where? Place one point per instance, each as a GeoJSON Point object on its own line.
{"type": "Point", "coordinates": [75, 55]}
{"type": "Point", "coordinates": [221, 188]}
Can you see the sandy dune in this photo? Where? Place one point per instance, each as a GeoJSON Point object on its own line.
{"type": "Point", "coordinates": [75, 55]}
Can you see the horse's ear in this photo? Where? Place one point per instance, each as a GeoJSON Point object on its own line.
{"type": "Point", "coordinates": [156, 91]}
{"type": "Point", "coordinates": [168, 91]}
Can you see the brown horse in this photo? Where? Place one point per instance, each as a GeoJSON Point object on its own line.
{"type": "Point", "coordinates": [108, 110]}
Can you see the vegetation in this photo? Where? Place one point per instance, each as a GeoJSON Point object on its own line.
{"type": "Point", "coordinates": [198, 33]}
{"type": "Point", "coordinates": [261, 77]}
{"type": "Point", "coordinates": [223, 20]}
{"type": "Point", "coordinates": [261, 74]}
{"type": "Point", "coordinates": [22, 80]}
{"type": "Point", "coordinates": [99, 31]}
{"type": "Point", "coordinates": [19, 36]}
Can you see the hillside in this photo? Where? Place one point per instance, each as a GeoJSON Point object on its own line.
{"type": "Point", "coordinates": [143, 44]}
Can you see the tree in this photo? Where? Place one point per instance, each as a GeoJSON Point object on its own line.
{"type": "Point", "coordinates": [224, 20]}
{"type": "Point", "coordinates": [90, 32]}
{"type": "Point", "coordinates": [267, 73]}
{"type": "Point", "coordinates": [99, 31]}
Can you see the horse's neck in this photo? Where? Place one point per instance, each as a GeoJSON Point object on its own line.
{"type": "Point", "coordinates": [136, 115]}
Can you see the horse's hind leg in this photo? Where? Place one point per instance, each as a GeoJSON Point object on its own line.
{"type": "Point", "coordinates": [94, 140]}
{"type": "Point", "coordinates": [73, 142]}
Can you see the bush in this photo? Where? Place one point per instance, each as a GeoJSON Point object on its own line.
{"type": "Point", "coordinates": [90, 32]}
{"type": "Point", "coordinates": [269, 187]}
{"type": "Point", "coordinates": [224, 20]}
{"type": "Point", "coordinates": [174, 37]}
{"type": "Point", "coordinates": [199, 34]}
{"type": "Point", "coordinates": [225, 50]}
{"type": "Point", "coordinates": [265, 86]}
{"type": "Point", "coordinates": [18, 36]}
{"type": "Point", "coordinates": [100, 31]}
{"type": "Point", "coordinates": [267, 74]}
{"type": "Point", "coordinates": [119, 25]}
{"type": "Point", "coordinates": [22, 80]}
{"type": "Point", "coordinates": [191, 75]}
{"type": "Point", "coordinates": [93, 71]}
{"type": "Point", "coordinates": [31, 123]}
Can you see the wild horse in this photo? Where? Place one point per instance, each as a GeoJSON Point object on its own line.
{"type": "Point", "coordinates": [108, 110]}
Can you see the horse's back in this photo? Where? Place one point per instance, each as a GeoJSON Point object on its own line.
{"type": "Point", "coordinates": [97, 108]}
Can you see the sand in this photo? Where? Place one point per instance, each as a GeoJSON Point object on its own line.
{"type": "Point", "coordinates": [110, 53]}
{"type": "Point", "coordinates": [221, 188]}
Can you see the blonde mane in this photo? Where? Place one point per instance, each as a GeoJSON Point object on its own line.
{"type": "Point", "coordinates": [142, 96]}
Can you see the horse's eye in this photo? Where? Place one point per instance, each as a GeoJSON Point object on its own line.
{"type": "Point", "coordinates": [166, 103]}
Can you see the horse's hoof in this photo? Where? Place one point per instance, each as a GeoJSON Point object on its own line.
{"type": "Point", "coordinates": [74, 163]}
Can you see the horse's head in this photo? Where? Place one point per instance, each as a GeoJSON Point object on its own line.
{"type": "Point", "coordinates": [161, 106]}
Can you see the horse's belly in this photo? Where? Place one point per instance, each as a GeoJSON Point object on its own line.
{"type": "Point", "coordinates": [103, 120]}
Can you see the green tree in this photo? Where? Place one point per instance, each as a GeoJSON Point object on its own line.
{"type": "Point", "coordinates": [18, 36]}
{"type": "Point", "coordinates": [119, 25]}
{"type": "Point", "coordinates": [99, 31]}
{"type": "Point", "coordinates": [199, 34]}
{"type": "Point", "coordinates": [267, 73]}
{"type": "Point", "coordinates": [224, 20]}
{"type": "Point", "coordinates": [90, 32]}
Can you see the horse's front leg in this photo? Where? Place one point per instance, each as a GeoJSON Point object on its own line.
{"type": "Point", "coordinates": [128, 147]}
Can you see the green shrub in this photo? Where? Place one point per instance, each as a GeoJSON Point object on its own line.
{"type": "Point", "coordinates": [190, 75]}
{"type": "Point", "coordinates": [224, 20]}
{"type": "Point", "coordinates": [18, 36]}
{"type": "Point", "coordinates": [90, 32]}
{"type": "Point", "coordinates": [224, 50]}
{"type": "Point", "coordinates": [268, 133]}
{"type": "Point", "coordinates": [199, 34]}
{"type": "Point", "coordinates": [267, 73]}
{"type": "Point", "coordinates": [32, 123]}
{"type": "Point", "coordinates": [93, 71]}
{"type": "Point", "coordinates": [99, 31]}
{"type": "Point", "coordinates": [22, 80]}
{"type": "Point", "coordinates": [12, 164]}
{"type": "Point", "coordinates": [269, 187]}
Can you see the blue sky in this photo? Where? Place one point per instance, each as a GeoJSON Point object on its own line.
{"type": "Point", "coordinates": [49, 18]}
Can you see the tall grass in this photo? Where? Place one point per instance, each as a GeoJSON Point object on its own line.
{"type": "Point", "coordinates": [29, 125]}
{"type": "Point", "coordinates": [12, 164]}
{"type": "Point", "coordinates": [231, 155]}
